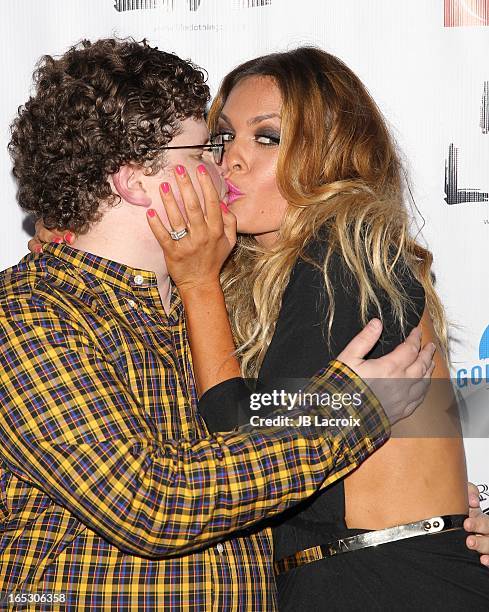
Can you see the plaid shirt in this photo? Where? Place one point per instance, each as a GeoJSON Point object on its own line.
{"type": "Point", "coordinates": [109, 479]}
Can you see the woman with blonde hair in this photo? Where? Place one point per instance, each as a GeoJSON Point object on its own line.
{"type": "Point", "coordinates": [315, 184]}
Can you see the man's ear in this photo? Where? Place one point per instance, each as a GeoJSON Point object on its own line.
{"type": "Point", "coordinates": [127, 182]}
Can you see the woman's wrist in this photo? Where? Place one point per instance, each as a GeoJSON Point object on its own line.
{"type": "Point", "coordinates": [201, 291]}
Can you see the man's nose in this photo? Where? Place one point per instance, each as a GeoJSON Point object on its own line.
{"type": "Point", "coordinates": [232, 160]}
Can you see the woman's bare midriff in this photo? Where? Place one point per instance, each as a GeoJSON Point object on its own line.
{"type": "Point", "coordinates": [420, 472]}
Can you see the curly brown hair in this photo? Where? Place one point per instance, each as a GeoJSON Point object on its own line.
{"type": "Point", "coordinates": [96, 108]}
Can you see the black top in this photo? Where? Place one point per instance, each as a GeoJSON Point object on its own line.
{"type": "Point", "coordinates": [298, 350]}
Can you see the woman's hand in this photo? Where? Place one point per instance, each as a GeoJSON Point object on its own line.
{"type": "Point", "coordinates": [477, 524]}
{"type": "Point", "coordinates": [44, 235]}
{"type": "Point", "coordinates": [194, 263]}
{"type": "Point", "coordinates": [195, 260]}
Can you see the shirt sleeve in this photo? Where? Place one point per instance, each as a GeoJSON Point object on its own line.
{"type": "Point", "coordinates": [226, 406]}
{"type": "Point", "coordinates": [71, 427]}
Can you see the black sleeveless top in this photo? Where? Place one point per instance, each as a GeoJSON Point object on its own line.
{"type": "Point", "coordinates": [298, 349]}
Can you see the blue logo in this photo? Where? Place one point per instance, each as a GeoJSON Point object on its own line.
{"type": "Point", "coordinates": [479, 373]}
{"type": "Point", "coordinates": [484, 345]}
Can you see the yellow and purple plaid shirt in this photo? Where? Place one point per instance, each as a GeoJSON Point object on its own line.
{"type": "Point", "coordinates": [113, 495]}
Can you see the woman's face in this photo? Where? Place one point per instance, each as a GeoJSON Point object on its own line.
{"type": "Point", "coordinates": [250, 122]}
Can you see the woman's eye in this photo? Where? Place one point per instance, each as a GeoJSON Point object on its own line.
{"type": "Point", "coordinates": [268, 140]}
{"type": "Point", "coordinates": [226, 136]}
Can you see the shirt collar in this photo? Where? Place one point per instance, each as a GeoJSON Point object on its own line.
{"type": "Point", "coordinates": [120, 276]}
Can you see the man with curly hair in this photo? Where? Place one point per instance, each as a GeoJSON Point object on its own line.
{"type": "Point", "coordinates": [113, 494]}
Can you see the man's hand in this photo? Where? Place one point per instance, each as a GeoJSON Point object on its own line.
{"type": "Point", "coordinates": [400, 379]}
{"type": "Point", "coordinates": [477, 524]}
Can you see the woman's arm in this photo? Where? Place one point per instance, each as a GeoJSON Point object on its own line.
{"type": "Point", "coordinates": [195, 270]}
{"type": "Point", "coordinates": [210, 336]}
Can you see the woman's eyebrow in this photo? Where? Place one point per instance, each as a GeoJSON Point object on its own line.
{"type": "Point", "coordinates": [253, 120]}
{"type": "Point", "coordinates": [259, 118]}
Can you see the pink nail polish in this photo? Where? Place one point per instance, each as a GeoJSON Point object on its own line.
{"type": "Point", "coordinates": [165, 187]}
{"type": "Point", "coordinates": [224, 207]}
{"type": "Point", "coordinates": [69, 237]}
{"type": "Point", "coordinates": [150, 212]}
{"type": "Point", "coordinates": [38, 248]}
{"type": "Point", "coordinates": [58, 240]}
{"type": "Point", "coordinates": [180, 170]}
{"type": "Point", "coordinates": [202, 169]}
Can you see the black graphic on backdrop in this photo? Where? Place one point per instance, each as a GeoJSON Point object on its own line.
{"type": "Point", "coordinates": [455, 195]}
{"type": "Point", "coordinates": [192, 5]}
{"type": "Point", "coordinates": [485, 109]}
{"type": "Point", "coordinates": [134, 5]}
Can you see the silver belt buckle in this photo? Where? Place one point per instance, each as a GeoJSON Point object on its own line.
{"type": "Point", "coordinates": [383, 536]}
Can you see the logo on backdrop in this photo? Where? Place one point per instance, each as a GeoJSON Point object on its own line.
{"type": "Point", "coordinates": [134, 5]}
{"type": "Point", "coordinates": [192, 5]}
{"type": "Point", "coordinates": [466, 13]}
{"type": "Point", "coordinates": [484, 122]}
{"type": "Point", "coordinates": [453, 193]}
{"type": "Point", "coordinates": [477, 374]}
{"type": "Point", "coordinates": [484, 497]}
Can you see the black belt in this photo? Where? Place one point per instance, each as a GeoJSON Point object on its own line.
{"type": "Point", "coordinates": [429, 526]}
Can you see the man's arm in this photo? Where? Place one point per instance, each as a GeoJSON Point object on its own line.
{"type": "Point", "coordinates": [72, 428]}
{"type": "Point", "coordinates": [478, 525]}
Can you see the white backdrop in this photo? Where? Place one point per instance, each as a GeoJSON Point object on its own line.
{"type": "Point", "coordinates": [424, 61]}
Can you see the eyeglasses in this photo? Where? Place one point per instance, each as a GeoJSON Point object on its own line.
{"type": "Point", "coordinates": [216, 146]}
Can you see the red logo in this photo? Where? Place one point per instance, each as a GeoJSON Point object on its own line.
{"type": "Point", "coordinates": [466, 13]}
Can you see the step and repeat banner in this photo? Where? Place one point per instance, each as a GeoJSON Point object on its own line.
{"type": "Point", "coordinates": [425, 63]}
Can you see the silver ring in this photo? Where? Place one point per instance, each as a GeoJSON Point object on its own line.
{"type": "Point", "coordinates": [179, 234]}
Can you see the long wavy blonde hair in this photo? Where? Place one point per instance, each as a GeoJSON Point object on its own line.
{"type": "Point", "coordinates": [339, 171]}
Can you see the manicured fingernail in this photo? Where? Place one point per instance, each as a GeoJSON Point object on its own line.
{"type": "Point", "coordinates": [38, 248]}
{"type": "Point", "coordinates": [58, 240]}
{"type": "Point", "coordinates": [151, 212]}
{"type": "Point", "coordinates": [224, 207]}
{"type": "Point", "coordinates": [202, 169]}
{"type": "Point", "coordinates": [180, 170]}
{"type": "Point", "coordinates": [374, 324]}
{"type": "Point", "coordinates": [165, 187]}
{"type": "Point", "coordinates": [470, 542]}
{"type": "Point", "coordinates": [69, 237]}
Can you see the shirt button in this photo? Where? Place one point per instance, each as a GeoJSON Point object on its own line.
{"type": "Point", "coordinates": [220, 548]}
{"type": "Point", "coordinates": [131, 303]}
{"type": "Point", "coordinates": [138, 279]}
